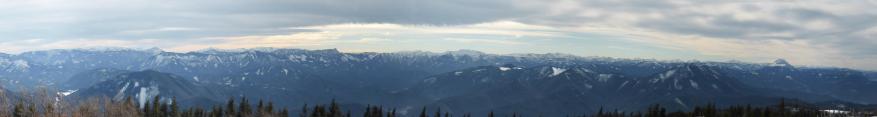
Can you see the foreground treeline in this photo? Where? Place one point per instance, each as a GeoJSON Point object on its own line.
{"type": "Point", "coordinates": [781, 109]}
{"type": "Point", "coordinates": [711, 110]}
{"type": "Point", "coordinates": [42, 104]}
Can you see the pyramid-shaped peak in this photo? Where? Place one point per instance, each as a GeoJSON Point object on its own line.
{"type": "Point", "coordinates": [781, 62]}
{"type": "Point", "coordinates": [465, 52]}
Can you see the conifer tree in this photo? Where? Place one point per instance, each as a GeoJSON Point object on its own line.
{"type": "Point", "coordinates": [284, 112]}
{"type": "Point", "coordinates": [230, 108]}
{"type": "Point", "coordinates": [18, 110]}
{"type": "Point", "coordinates": [156, 107]}
{"type": "Point", "coordinates": [438, 112]}
{"type": "Point", "coordinates": [376, 111]}
{"type": "Point", "coordinates": [260, 108]}
{"type": "Point", "coordinates": [164, 110]}
{"type": "Point", "coordinates": [423, 112]}
{"type": "Point", "coordinates": [217, 112]}
{"type": "Point", "coordinates": [319, 111]}
{"type": "Point", "coordinates": [600, 112]}
{"type": "Point", "coordinates": [392, 113]}
{"type": "Point", "coordinates": [31, 109]}
{"type": "Point", "coordinates": [270, 107]}
{"type": "Point", "coordinates": [147, 110]}
{"type": "Point", "coordinates": [245, 108]}
{"type": "Point", "coordinates": [175, 108]}
{"type": "Point", "coordinates": [304, 111]}
{"type": "Point", "coordinates": [368, 111]}
{"type": "Point", "coordinates": [781, 108]}
{"type": "Point", "coordinates": [335, 110]}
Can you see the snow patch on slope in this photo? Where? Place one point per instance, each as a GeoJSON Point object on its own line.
{"type": "Point", "coordinates": [504, 68]}
{"type": "Point", "coordinates": [667, 74]}
{"type": "Point", "coordinates": [604, 77]}
{"type": "Point", "coordinates": [21, 64]}
{"type": "Point", "coordinates": [557, 71]}
{"type": "Point", "coordinates": [146, 93]}
{"type": "Point", "coordinates": [835, 111]}
{"type": "Point", "coordinates": [694, 84]}
{"type": "Point", "coordinates": [68, 92]}
{"type": "Point", "coordinates": [679, 101]}
{"type": "Point", "coordinates": [622, 85]}
{"type": "Point", "coordinates": [121, 92]}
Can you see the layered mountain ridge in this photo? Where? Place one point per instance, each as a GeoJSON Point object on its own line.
{"type": "Point", "coordinates": [455, 80]}
{"type": "Point", "coordinates": [146, 85]}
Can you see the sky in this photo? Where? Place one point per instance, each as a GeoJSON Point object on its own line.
{"type": "Point", "coordinates": [804, 32]}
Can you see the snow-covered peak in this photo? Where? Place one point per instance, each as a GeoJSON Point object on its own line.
{"type": "Point", "coordinates": [546, 55]}
{"type": "Point", "coordinates": [220, 50]}
{"type": "Point", "coordinates": [105, 49]}
{"type": "Point", "coordinates": [416, 53]}
{"type": "Point", "coordinates": [465, 52]}
{"type": "Point", "coordinates": [117, 49]}
{"type": "Point", "coordinates": [781, 63]}
{"type": "Point", "coordinates": [14, 65]}
{"type": "Point", "coordinates": [154, 50]}
{"type": "Point", "coordinates": [557, 71]}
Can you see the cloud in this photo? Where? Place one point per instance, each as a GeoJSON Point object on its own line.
{"type": "Point", "coordinates": [160, 30]}
{"type": "Point", "coordinates": [51, 19]}
{"type": "Point", "coordinates": [301, 39]}
{"type": "Point", "coordinates": [813, 32]}
{"type": "Point", "coordinates": [484, 41]}
{"type": "Point", "coordinates": [507, 28]}
{"type": "Point", "coordinates": [372, 40]}
{"type": "Point", "coordinates": [375, 34]}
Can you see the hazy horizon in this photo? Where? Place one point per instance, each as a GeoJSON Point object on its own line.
{"type": "Point", "coordinates": [444, 51]}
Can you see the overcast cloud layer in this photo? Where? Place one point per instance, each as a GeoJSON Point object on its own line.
{"type": "Point", "coordinates": [819, 33]}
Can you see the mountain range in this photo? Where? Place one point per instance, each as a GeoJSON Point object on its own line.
{"type": "Point", "coordinates": [455, 81]}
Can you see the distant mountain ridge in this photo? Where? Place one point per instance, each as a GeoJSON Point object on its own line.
{"type": "Point", "coordinates": [455, 80]}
